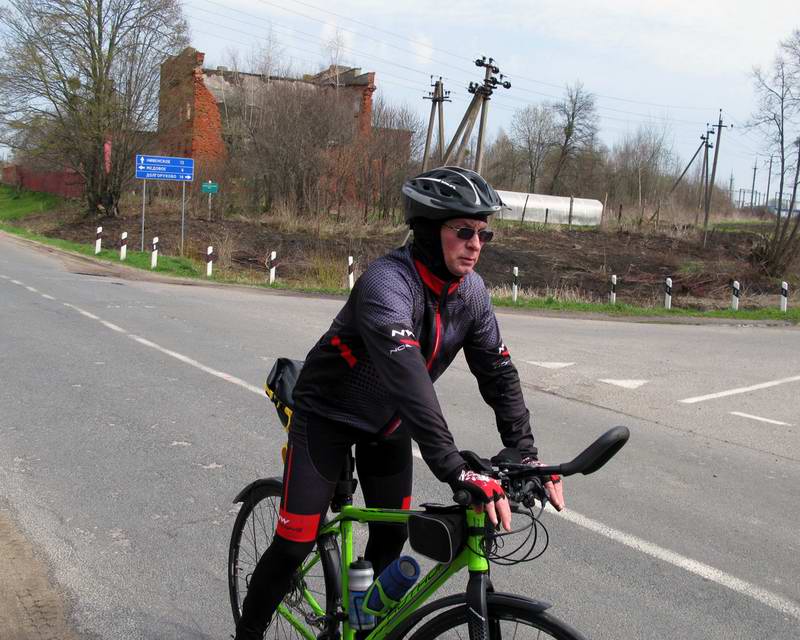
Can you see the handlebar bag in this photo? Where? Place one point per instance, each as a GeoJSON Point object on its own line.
{"type": "Point", "coordinates": [280, 386]}
{"type": "Point", "coordinates": [438, 536]}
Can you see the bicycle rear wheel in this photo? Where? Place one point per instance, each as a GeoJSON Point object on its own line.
{"type": "Point", "coordinates": [308, 599]}
{"type": "Point", "coordinates": [510, 619]}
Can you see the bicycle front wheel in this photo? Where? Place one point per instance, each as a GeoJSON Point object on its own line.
{"type": "Point", "coordinates": [510, 619]}
{"type": "Point", "coordinates": [302, 613]}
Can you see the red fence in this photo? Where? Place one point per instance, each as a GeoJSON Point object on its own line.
{"type": "Point", "coordinates": [67, 184]}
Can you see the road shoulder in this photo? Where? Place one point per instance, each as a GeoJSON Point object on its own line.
{"type": "Point", "coordinates": [31, 607]}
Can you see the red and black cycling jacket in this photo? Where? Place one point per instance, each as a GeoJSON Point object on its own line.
{"type": "Point", "coordinates": [398, 332]}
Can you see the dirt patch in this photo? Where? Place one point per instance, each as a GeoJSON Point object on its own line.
{"type": "Point", "coordinates": [552, 259]}
{"type": "Point", "coordinates": [31, 608]}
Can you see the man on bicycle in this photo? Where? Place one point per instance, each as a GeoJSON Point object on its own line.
{"type": "Point", "coordinates": [369, 380]}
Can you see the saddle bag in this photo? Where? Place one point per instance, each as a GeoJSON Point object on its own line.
{"type": "Point", "coordinates": [280, 387]}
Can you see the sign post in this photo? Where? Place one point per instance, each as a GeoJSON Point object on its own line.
{"type": "Point", "coordinates": [209, 188]}
{"type": "Point", "coordinates": [164, 168]}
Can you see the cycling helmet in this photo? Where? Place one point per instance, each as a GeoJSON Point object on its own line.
{"type": "Point", "coordinates": [449, 192]}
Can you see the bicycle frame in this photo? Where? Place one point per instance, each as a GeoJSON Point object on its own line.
{"type": "Point", "coordinates": [342, 524]}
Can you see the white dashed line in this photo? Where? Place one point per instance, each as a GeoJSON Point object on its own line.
{"type": "Point", "coordinates": [625, 384]}
{"type": "Point", "coordinates": [733, 392]}
{"type": "Point", "coordinates": [214, 372]}
{"type": "Point", "coordinates": [550, 365]}
{"type": "Point", "coordinates": [112, 326]}
{"type": "Point", "coordinates": [760, 419]}
{"type": "Point", "coordinates": [773, 600]}
{"type": "Point", "coordinates": [18, 282]}
{"type": "Point", "coordinates": [47, 297]}
{"type": "Point", "coordinates": [81, 311]}
{"type": "Point", "coordinates": [31, 289]}
{"type": "Point", "coordinates": [4, 277]}
{"type": "Point", "coordinates": [705, 571]}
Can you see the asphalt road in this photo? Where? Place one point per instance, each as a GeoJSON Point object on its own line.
{"type": "Point", "coordinates": [131, 414]}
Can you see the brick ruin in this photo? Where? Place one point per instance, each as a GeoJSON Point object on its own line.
{"type": "Point", "coordinates": [192, 101]}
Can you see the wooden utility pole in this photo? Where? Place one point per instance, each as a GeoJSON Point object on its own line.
{"type": "Point", "coordinates": [437, 97]}
{"type": "Point", "coordinates": [769, 178]}
{"type": "Point", "coordinates": [481, 93]}
{"type": "Point", "coordinates": [719, 127]}
{"type": "Point", "coordinates": [703, 173]}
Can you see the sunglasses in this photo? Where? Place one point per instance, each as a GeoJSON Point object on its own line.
{"type": "Point", "coordinates": [466, 233]}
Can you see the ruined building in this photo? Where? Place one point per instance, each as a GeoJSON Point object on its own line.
{"type": "Point", "coordinates": [193, 101]}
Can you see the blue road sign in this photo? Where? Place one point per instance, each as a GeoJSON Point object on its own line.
{"type": "Point", "coordinates": [164, 168]}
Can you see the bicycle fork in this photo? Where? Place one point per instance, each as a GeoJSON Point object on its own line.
{"type": "Point", "coordinates": [479, 583]}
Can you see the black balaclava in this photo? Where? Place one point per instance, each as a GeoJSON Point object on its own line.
{"type": "Point", "coordinates": [427, 247]}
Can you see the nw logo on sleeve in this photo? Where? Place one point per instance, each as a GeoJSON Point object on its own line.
{"type": "Point", "coordinates": [402, 333]}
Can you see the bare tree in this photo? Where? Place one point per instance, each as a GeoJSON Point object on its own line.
{"type": "Point", "coordinates": [79, 83]}
{"type": "Point", "coordinates": [576, 117]}
{"type": "Point", "coordinates": [778, 118]}
{"type": "Point", "coordinates": [534, 133]}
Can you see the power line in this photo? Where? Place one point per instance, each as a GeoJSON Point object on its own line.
{"type": "Point", "coordinates": [445, 51]}
{"type": "Point", "coordinates": [317, 39]}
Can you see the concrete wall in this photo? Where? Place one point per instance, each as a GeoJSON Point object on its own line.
{"type": "Point", "coordinates": [584, 211]}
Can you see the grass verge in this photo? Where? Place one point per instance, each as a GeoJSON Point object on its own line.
{"type": "Point", "coordinates": [554, 304]}
{"type": "Point", "coordinates": [15, 205]}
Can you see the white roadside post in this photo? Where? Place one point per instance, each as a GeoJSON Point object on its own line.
{"type": "Point", "coordinates": [154, 255]}
{"type": "Point", "coordinates": [271, 266]}
{"type": "Point", "coordinates": [668, 294]}
{"type": "Point", "coordinates": [123, 249]}
{"type": "Point", "coordinates": [784, 296]}
{"type": "Point", "coordinates": [98, 240]}
{"type": "Point", "coordinates": [515, 285]}
{"type": "Point", "coordinates": [350, 272]}
{"type": "Point", "coordinates": [735, 290]}
{"type": "Point", "coordinates": [613, 296]}
{"type": "Point", "coordinates": [209, 261]}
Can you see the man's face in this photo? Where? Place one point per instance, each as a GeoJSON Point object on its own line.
{"type": "Point", "coordinates": [461, 256]}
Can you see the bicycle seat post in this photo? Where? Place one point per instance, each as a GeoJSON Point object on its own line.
{"type": "Point", "coordinates": [345, 486]}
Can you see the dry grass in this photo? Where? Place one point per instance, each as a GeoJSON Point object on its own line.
{"type": "Point", "coordinates": [561, 293]}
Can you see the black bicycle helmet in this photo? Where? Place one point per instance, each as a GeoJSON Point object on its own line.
{"type": "Point", "coordinates": [449, 192]}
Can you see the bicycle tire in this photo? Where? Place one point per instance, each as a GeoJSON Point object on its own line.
{"type": "Point", "coordinates": [505, 617]}
{"type": "Point", "coordinates": [252, 533]}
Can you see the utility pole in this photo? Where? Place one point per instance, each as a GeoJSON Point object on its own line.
{"type": "Point", "coordinates": [753, 189]}
{"type": "Point", "coordinates": [703, 174]}
{"type": "Point", "coordinates": [730, 189]}
{"type": "Point", "coordinates": [719, 127]}
{"type": "Point", "coordinates": [769, 178]}
{"type": "Point", "coordinates": [481, 94]}
{"type": "Point", "coordinates": [437, 97]}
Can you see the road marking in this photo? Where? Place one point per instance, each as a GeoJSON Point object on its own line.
{"type": "Point", "coordinates": [733, 392]}
{"type": "Point", "coordinates": [112, 326]}
{"type": "Point", "coordinates": [550, 365]}
{"type": "Point", "coordinates": [707, 572]}
{"type": "Point", "coordinates": [31, 289]}
{"type": "Point", "coordinates": [81, 311]}
{"type": "Point", "coordinates": [47, 297]}
{"type": "Point", "coordinates": [760, 419]}
{"type": "Point", "coordinates": [18, 282]}
{"type": "Point", "coordinates": [625, 384]}
{"type": "Point", "coordinates": [4, 277]}
{"type": "Point", "coordinates": [186, 359]}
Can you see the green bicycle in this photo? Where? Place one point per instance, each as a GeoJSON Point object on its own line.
{"type": "Point", "coordinates": [456, 536]}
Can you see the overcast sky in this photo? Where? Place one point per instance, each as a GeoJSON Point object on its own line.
{"type": "Point", "coordinates": [654, 63]}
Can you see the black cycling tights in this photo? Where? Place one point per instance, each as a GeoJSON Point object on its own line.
{"type": "Point", "coordinates": [318, 450]}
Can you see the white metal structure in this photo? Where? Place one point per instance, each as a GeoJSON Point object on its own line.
{"type": "Point", "coordinates": [585, 212]}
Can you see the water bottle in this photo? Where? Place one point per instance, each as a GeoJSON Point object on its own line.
{"type": "Point", "coordinates": [393, 583]}
{"type": "Point", "coordinates": [360, 578]}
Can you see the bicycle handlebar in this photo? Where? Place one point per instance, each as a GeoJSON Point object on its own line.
{"type": "Point", "coordinates": [591, 459]}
